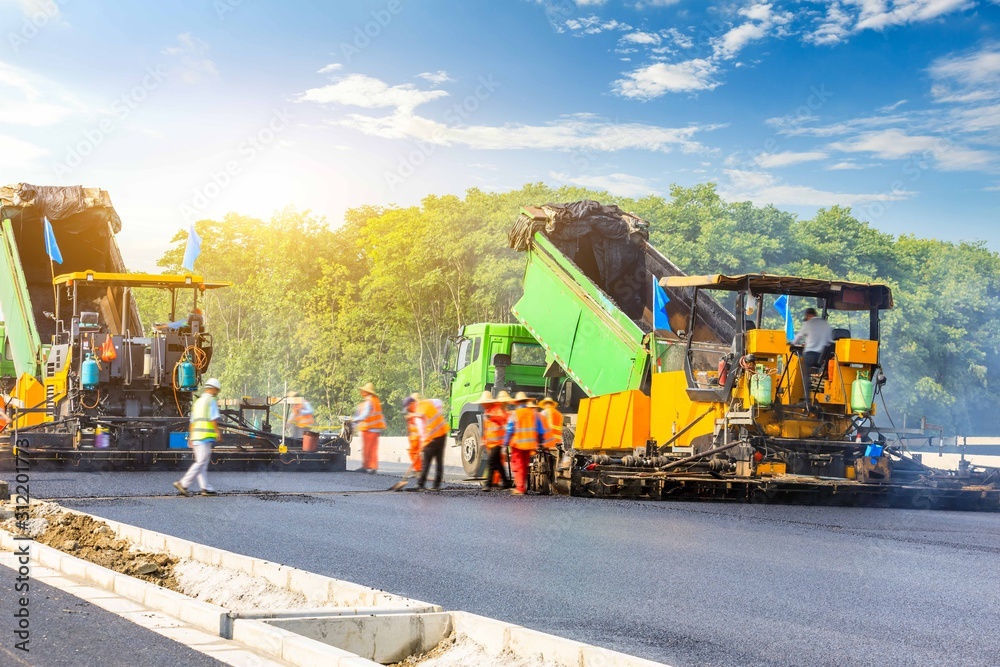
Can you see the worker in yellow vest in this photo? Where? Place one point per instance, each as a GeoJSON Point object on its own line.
{"type": "Point", "coordinates": [494, 422]}
{"type": "Point", "coordinates": [368, 419]}
{"type": "Point", "coordinates": [525, 432]}
{"type": "Point", "coordinates": [433, 429]}
{"type": "Point", "coordinates": [553, 421]}
{"type": "Point", "coordinates": [203, 433]}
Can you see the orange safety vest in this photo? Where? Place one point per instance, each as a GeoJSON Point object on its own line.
{"type": "Point", "coordinates": [553, 421]}
{"type": "Point", "coordinates": [434, 424]}
{"type": "Point", "coordinates": [374, 420]}
{"type": "Point", "coordinates": [412, 434]}
{"type": "Point", "coordinates": [525, 434]}
{"type": "Point", "coordinates": [494, 421]}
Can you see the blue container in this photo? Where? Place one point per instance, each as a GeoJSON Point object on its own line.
{"type": "Point", "coordinates": [90, 373]}
{"type": "Point", "coordinates": [186, 378]}
{"type": "Point", "coordinates": [179, 440]}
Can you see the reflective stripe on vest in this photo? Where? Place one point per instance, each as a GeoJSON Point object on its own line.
{"type": "Point", "coordinates": [494, 421]}
{"type": "Point", "coordinates": [525, 429]}
{"type": "Point", "coordinates": [412, 434]}
{"type": "Point", "coordinates": [374, 421]}
{"type": "Point", "coordinates": [553, 421]}
{"type": "Point", "coordinates": [434, 424]}
{"type": "Point", "coordinates": [203, 428]}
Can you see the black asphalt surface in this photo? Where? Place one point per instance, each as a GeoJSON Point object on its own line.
{"type": "Point", "coordinates": [69, 632]}
{"type": "Point", "coordinates": [682, 583]}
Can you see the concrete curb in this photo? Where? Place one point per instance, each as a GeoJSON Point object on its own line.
{"type": "Point", "coordinates": [316, 588]}
{"type": "Point", "coordinates": [203, 615]}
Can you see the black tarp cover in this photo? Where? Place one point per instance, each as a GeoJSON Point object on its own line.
{"type": "Point", "coordinates": [607, 243]}
{"type": "Point", "coordinates": [84, 223]}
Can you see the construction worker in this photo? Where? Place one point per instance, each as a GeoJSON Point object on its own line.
{"type": "Point", "coordinates": [203, 433]}
{"type": "Point", "coordinates": [302, 415]}
{"type": "Point", "coordinates": [553, 421]}
{"type": "Point", "coordinates": [494, 422]}
{"type": "Point", "coordinates": [524, 433]}
{"type": "Point", "coordinates": [433, 429]}
{"type": "Point", "coordinates": [413, 438]}
{"type": "Point", "coordinates": [368, 419]}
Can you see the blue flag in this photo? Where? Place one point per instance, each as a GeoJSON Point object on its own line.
{"type": "Point", "coordinates": [660, 300]}
{"type": "Point", "coordinates": [51, 247]}
{"type": "Point", "coordinates": [192, 250]}
{"type": "Point", "coordinates": [785, 310]}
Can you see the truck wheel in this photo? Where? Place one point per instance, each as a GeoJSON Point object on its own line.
{"type": "Point", "coordinates": [473, 458]}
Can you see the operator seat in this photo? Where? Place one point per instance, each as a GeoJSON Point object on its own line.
{"type": "Point", "coordinates": [820, 373]}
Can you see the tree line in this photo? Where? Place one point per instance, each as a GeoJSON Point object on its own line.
{"type": "Point", "coordinates": [376, 298]}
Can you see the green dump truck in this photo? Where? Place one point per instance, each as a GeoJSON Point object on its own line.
{"type": "Point", "coordinates": [586, 318]}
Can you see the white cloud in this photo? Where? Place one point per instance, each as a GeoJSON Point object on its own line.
{"type": "Point", "coordinates": [643, 4]}
{"type": "Point", "coordinates": [641, 38]}
{"type": "Point", "coordinates": [891, 107]}
{"type": "Point", "coordinates": [192, 56]}
{"type": "Point", "coordinates": [332, 67]}
{"type": "Point", "coordinates": [846, 165]}
{"type": "Point", "coordinates": [623, 185]}
{"type": "Point", "coordinates": [967, 78]}
{"type": "Point", "coordinates": [590, 3]}
{"type": "Point", "coordinates": [763, 188]}
{"type": "Point", "coordinates": [593, 25]}
{"type": "Point", "coordinates": [16, 150]}
{"type": "Point", "coordinates": [364, 91]}
{"type": "Point", "coordinates": [32, 101]}
{"type": "Point", "coordinates": [881, 14]}
{"type": "Point", "coordinates": [761, 21]}
{"type": "Point", "coordinates": [846, 17]}
{"type": "Point", "coordinates": [437, 78]}
{"type": "Point", "coordinates": [660, 78]}
{"type": "Point", "coordinates": [788, 158]}
{"type": "Point", "coordinates": [567, 133]}
{"type": "Point", "coordinates": [834, 28]}
{"type": "Point", "coordinates": [895, 144]}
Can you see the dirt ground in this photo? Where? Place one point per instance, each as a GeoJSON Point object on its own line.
{"type": "Point", "coordinates": [94, 541]}
{"type": "Point", "coordinates": [459, 650]}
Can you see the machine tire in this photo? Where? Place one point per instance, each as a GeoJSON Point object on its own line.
{"type": "Point", "coordinates": [473, 456]}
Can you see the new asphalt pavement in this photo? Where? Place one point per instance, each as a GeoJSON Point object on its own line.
{"type": "Point", "coordinates": [682, 583]}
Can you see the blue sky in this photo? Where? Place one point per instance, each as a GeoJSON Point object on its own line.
{"type": "Point", "coordinates": [192, 109]}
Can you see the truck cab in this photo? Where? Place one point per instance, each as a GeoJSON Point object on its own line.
{"type": "Point", "coordinates": [481, 352]}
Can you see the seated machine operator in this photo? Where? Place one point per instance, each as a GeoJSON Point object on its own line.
{"type": "Point", "coordinates": [812, 339]}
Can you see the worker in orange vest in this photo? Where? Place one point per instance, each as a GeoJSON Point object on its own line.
{"type": "Point", "coordinates": [413, 438]}
{"type": "Point", "coordinates": [494, 422]}
{"type": "Point", "coordinates": [525, 432]}
{"type": "Point", "coordinates": [368, 419]}
{"type": "Point", "coordinates": [302, 415]}
{"type": "Point", "coordinates": [433, 429]}
{"type": "Point", "coordinates": [553, 421]}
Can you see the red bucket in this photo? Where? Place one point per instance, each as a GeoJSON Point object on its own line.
{"type": "Point", "coordinates": [310, 441]}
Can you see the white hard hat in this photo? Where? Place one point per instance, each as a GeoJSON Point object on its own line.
{"type": "Point", "coordinates": [215, 384]}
